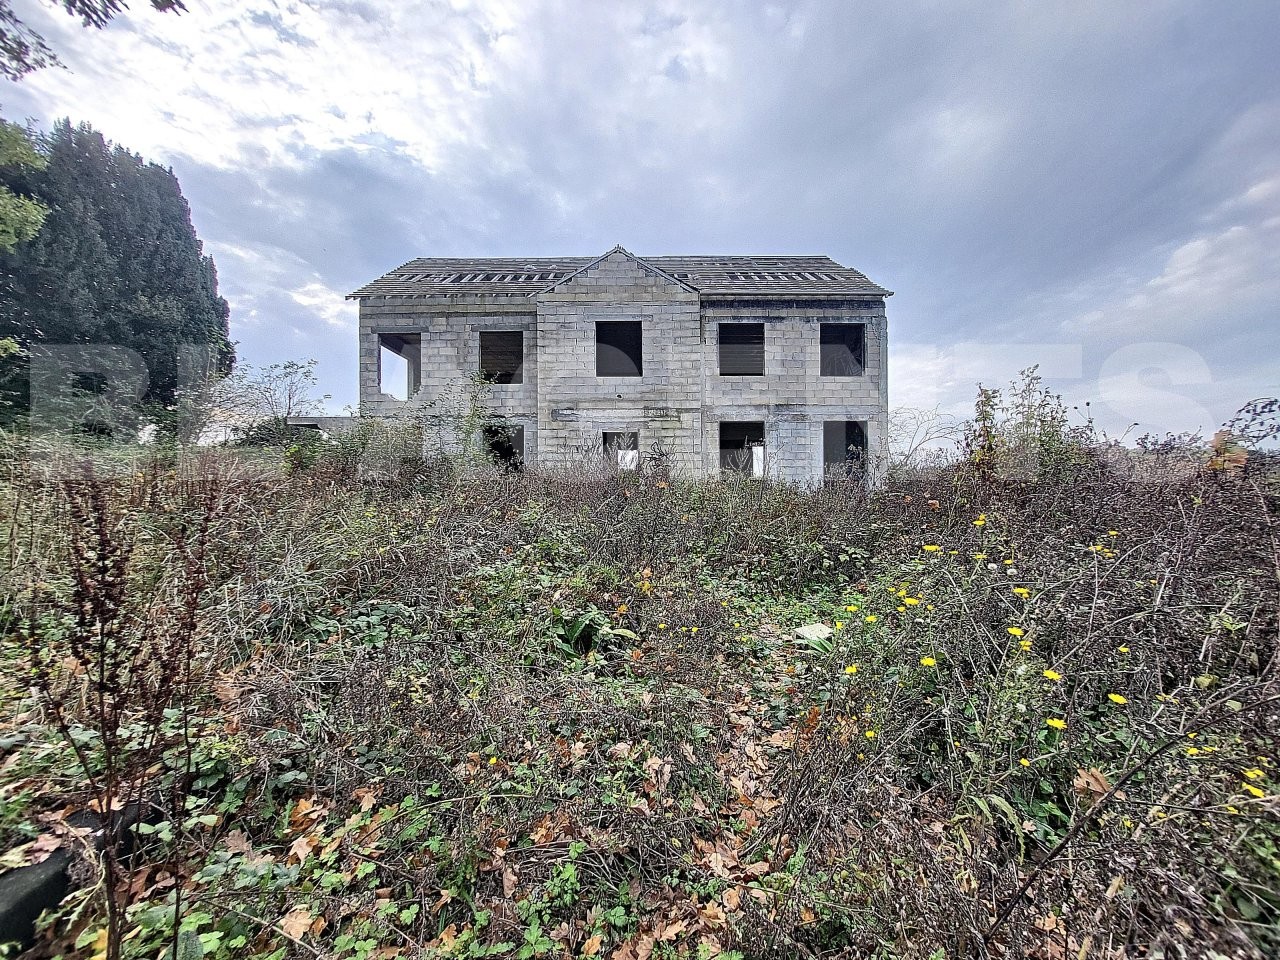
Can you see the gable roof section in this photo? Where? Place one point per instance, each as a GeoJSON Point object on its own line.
{"type": "Point", "coordinates": [644, 264]}
{"type": "Point", "coordinates": [741, 276]}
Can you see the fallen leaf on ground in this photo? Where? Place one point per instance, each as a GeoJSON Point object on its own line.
{"type": "Point", "coordinates": [296, 922]}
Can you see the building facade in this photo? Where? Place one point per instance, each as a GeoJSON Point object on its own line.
{"type": "Point", "coordinates": [774, 366]}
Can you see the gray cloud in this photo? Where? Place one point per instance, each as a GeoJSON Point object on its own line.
{"type": "Point", "coordinates": [1085, 179]}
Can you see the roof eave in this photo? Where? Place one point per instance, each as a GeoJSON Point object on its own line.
{"type": "Point", "coordinates": [793, 294]}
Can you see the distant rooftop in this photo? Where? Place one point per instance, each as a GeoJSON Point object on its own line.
{"type": "Point", "coordinates": [709, 275]}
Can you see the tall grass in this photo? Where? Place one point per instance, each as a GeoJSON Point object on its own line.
{"type": "Point", "coordinates": [448, 711]}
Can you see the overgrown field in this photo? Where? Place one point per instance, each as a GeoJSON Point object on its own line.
{"type": "Point", "coordinates": [369, 708]}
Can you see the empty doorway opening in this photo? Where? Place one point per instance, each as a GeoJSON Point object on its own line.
{"type": "Point", "coordinates": [504, 444]}
{"type": "Point", "coordinates": [742, 447]}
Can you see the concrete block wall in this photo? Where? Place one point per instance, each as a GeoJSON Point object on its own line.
{"type": "Point", "coordinates": [680, 400]}
{"type": "Point", "coordinates": [450, 354]}
{"type": "Point", "coordinates": [664, 405]}
{"type": "Point", "coordinates": [792, 398]}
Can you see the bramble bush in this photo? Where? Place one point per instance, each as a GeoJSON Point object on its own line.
{"type": "Point", "coordinates": [441, 710]}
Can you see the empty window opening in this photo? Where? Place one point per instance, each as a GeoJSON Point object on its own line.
{"type": "Point", "coordinates": [619, 348]}
{"type": "Point", "coordinates": [400, 364]}
{"type": "Point", "coordinates": [502, 356]}
{"type": "Point", "coordinates": [843, 348]}
{"type": "Point", "coordinates": [844, 448]}
{"type": "Point", "coordinates": [742, 447]}
{"type": "Point", "coordinates": [622, 449]}
{"type": "Point", "coordinates": [741, 349]}
{"type": "Point", "coordinates": [505, 445]}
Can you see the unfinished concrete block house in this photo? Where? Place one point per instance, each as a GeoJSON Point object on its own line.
{"type": "Point", "coordinates": [774, 366]}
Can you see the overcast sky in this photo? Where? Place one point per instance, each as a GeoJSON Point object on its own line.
{"type": "Point", "coordinates": [1094, 186]}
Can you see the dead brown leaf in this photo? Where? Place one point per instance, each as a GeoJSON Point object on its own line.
{"type": "Point", "coordinates": [302, 847]}
{"type": "Point", "coordinates": [713, 915]}
{"type": "Point", "coordinates": [237, 842]}
{"type": "Point", "coordinates": [669, 931]}
{"type": "Point", "coordinates": [1091, 784]}
{"type": "Point", "coordinates": [296, 922]}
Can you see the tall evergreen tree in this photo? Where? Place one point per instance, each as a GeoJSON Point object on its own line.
{"type": "Point", "coordinates": [116, 262]}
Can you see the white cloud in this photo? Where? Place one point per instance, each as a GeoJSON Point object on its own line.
{"type": "Point", "coordinates": [272, 80]}
{"type": "Point", "coordinates": [1205, 284]}
{"type": "Point", "coordinates": [326, 303]}
{"type": "Point", "coordinates": [1037, 191]}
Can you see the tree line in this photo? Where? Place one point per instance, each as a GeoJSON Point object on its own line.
{"type": "Point", "coordinates": [99, 249]}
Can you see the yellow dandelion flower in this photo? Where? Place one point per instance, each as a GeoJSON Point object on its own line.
{"type": "Point", "coordinates": [1022, 591]}
{"type": "Point", "coordinates": [871, 618]}
{"type": "Point", "coordinates": [1116, 698]}
{"type": "Point", "coordinates": [1025, 645]}
{"type": "Point", "coordinates": [492, 761]}
{"type": "Point", "coordinates": [1016, 631]}
{"type": "Point", "coordinates": [1254, 791]}
{"type": "Point", "coordinates": [871, 735]}
{"type": "Point", "coordinates": [931, 548]}
{"type": "Point", "coordinates": [928, 606]}
{"type": "Point", "coordinates": [851, 608]}
{"type": "Point", "coordinates": [901, 609]}
{"type": "Point", "coordinates": [979, 556]}
{"type": "Point", "coordinates": [911, 602]}
{"type": "Point", "coordinates": [662, 626]}
{"type": "Point", "coordinates": [1122, 649]}
{"type": "Point", "coordinates": [1008, 562]}
{"type": "Point", "coordinates": [839, 624]}
{"type": "Point", "coordinates": [622, 608]}
{"type": "Point", "coordinates": [694, 629]}
{"type": "Point", "coordinates": [928, 662]}
{"type": "Point", "coordinates": [1253, 774]}
{"type": "Point", "coordinates": [1113, 533]}
{"type": "Point", "coordinates": [1052, 675]}
{"type": "Point", "coordinates": [981, 521]}
{"type": "Point", "coordinates": [1056, 723]}
{"type": "Point", "coordinates": [1025, 762]}
{"type": "Point", "coordinates": [1192, 751]}
{"type": "Point", "coordinates": [851, 668]}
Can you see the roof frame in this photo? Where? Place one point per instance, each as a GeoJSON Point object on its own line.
{"type": "Point", "coordinates": [618, 248]}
